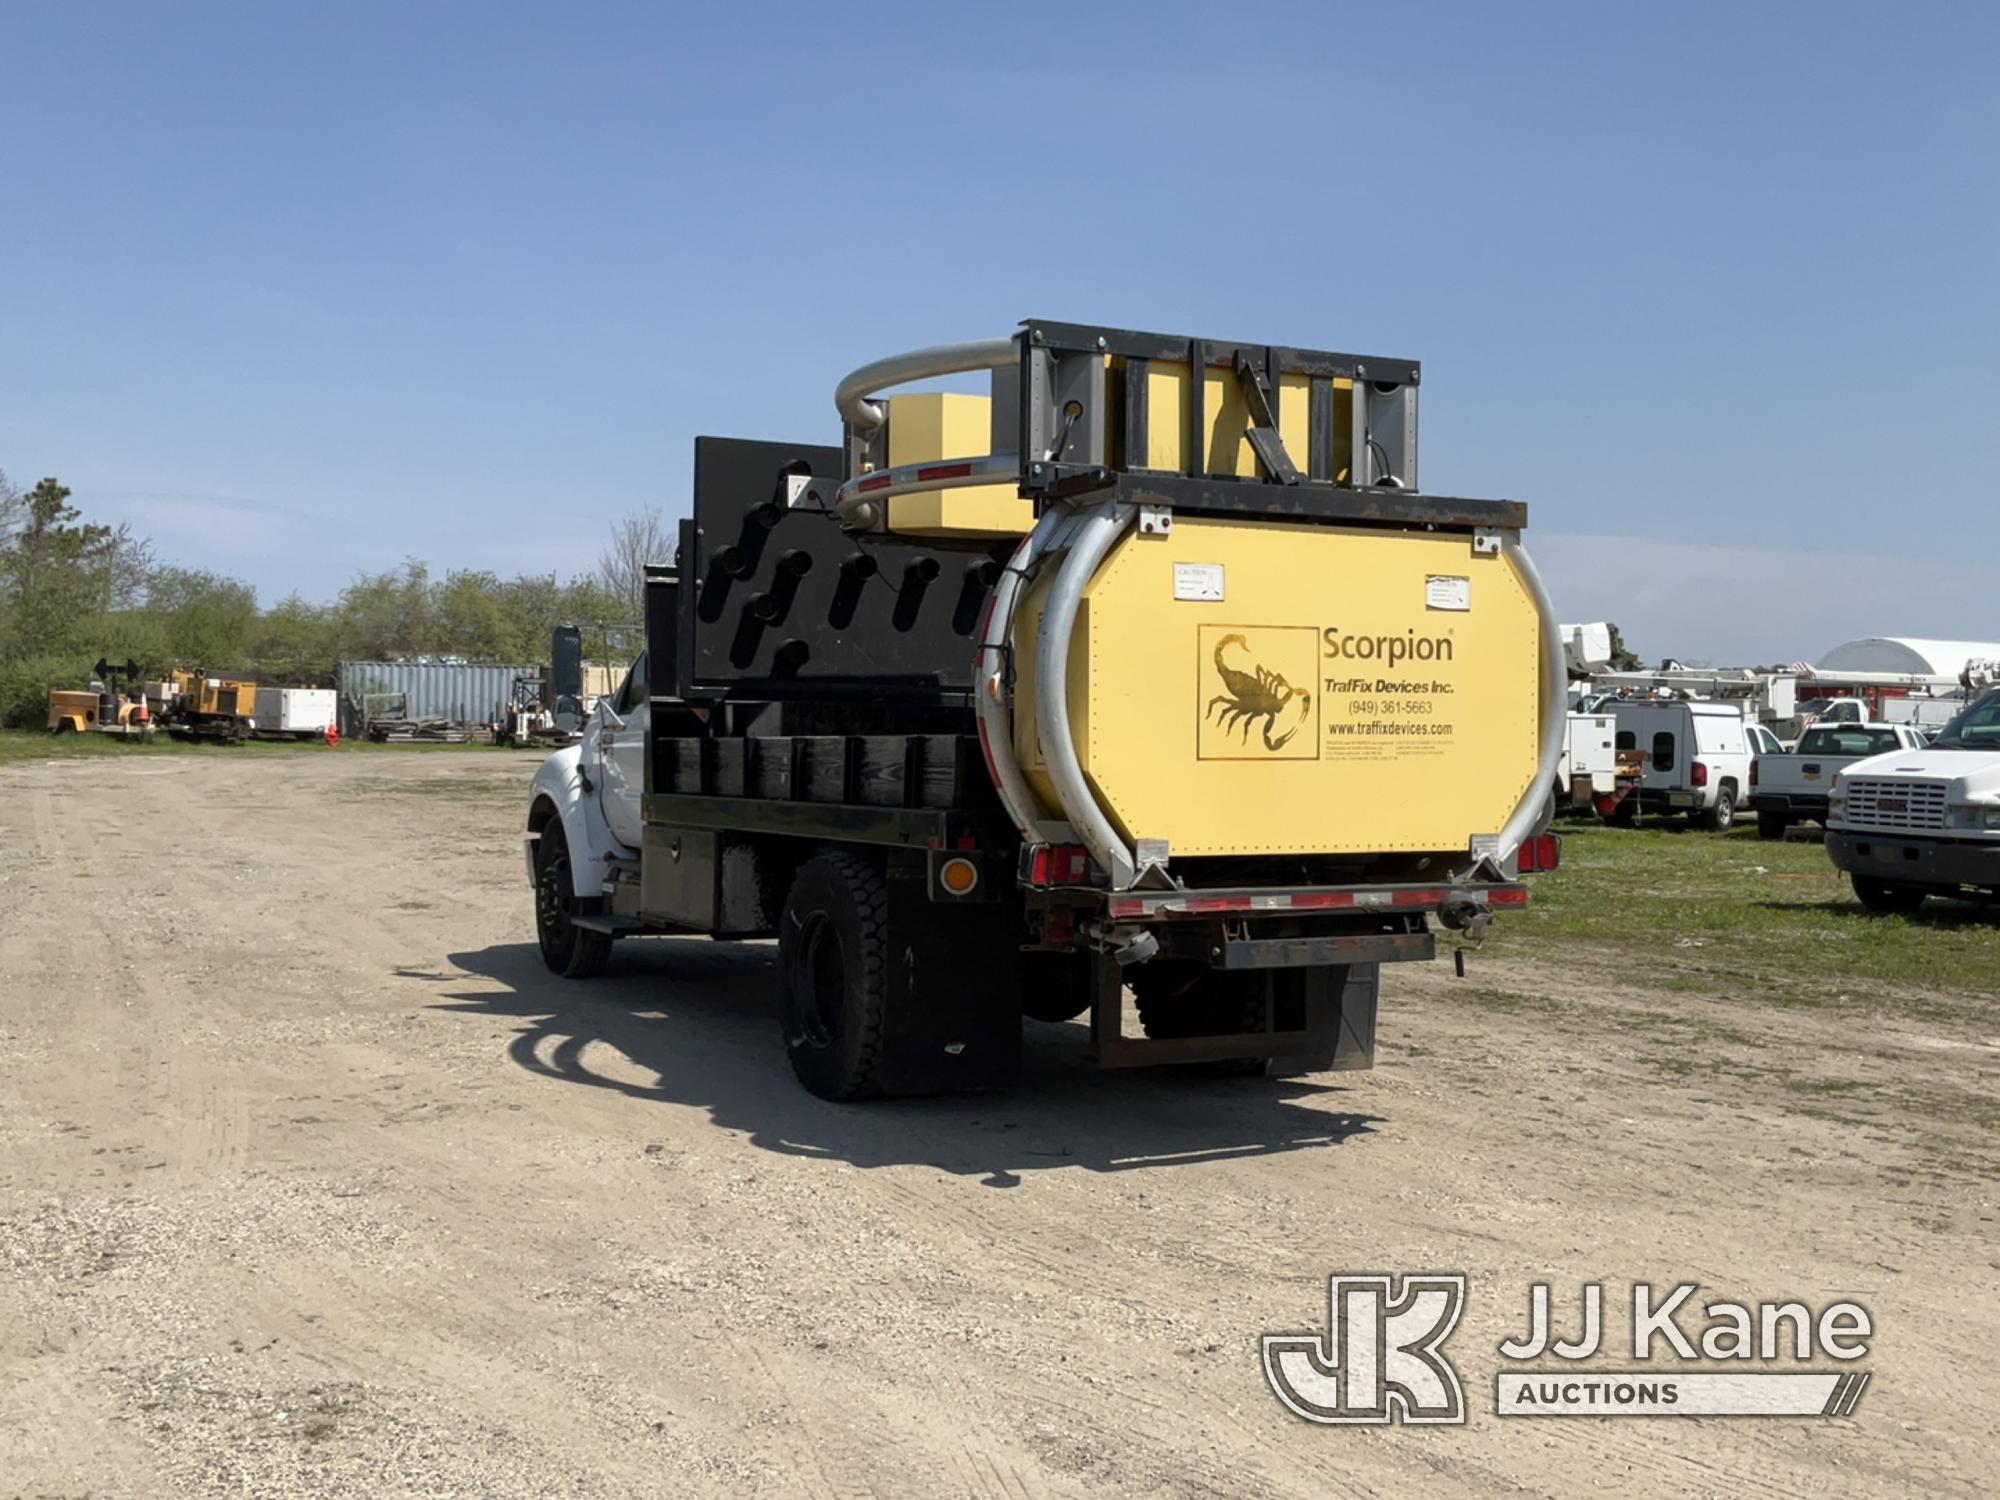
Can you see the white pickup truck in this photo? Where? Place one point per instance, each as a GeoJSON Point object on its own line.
{"type": "Point", "coordinates": [1917, 823]}
{"type": "Point", "coordinates": [1697, 755]}
{"type": "Point", "coordinates": [1794, 787]}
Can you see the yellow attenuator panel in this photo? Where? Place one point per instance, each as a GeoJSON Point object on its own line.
{"type": "Point", "coordinates": [926, 427]}
{"type": "Point", "coordinates": [1238, 687]}
{"type": "Point", "coordinates": [933, 426]}
{"type": "Point", "coordinates": [1227, 419]}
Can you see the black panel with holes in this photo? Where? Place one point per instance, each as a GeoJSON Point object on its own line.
{"type": "Point", "coordinates": [778, 601]}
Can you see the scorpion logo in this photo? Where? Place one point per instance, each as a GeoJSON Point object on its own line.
{"type": "Point", "coordinates": [1256, 694]}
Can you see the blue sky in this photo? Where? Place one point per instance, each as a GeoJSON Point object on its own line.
{"type": "Point", "coordinates": [300, 291]}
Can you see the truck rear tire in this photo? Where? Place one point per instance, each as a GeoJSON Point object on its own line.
{"type": "Point", "coordinates": [571, 951]}
{"type": "Point", "coordinates": [1055, 987]}
{"type": "Point", "coordinates": [834, 952]}
{"type": "Point", "coordinates": [1886, 898]}
{"type": "Point", "coordinates": [1178, 1000]}
{"type": "Point", "coordinates": [1771, 825]}
{"type": "Point", "coordinates": [1721, 817]}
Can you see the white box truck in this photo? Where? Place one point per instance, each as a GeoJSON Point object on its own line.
{"type": "Point", "coordinates": [295, 713]}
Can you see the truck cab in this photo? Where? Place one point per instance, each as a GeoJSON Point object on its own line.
{"type": "Point", "coordinates": [615, 736]}
{"type": "Point", "coordinates": [1922, 822]}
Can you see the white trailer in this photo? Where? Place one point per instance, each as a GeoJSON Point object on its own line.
{"type": "Point", "coordinates": [295, 713]}
{"type": "Point", "coordinates": [1589, 765]}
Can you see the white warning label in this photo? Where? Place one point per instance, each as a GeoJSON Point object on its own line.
{"type": "Point", "coordinates": [1443, 591]}
{"type": "Point", "coordinates": [1198, 581]}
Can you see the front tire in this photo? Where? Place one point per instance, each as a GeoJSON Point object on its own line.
{"type": "Point", "coordinates": [834, 954]}
{"type": "Point", "coordinates": [1886, 898]}
{"type": "Point", "coordinates": [569, 950]}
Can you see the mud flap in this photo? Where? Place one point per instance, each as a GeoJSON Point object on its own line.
{"type": "Point", "coordinates": [953, 1007]}
{"type": "Point", "coordinates": [1354, 989]}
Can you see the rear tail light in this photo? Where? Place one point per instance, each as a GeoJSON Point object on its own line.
{"type": "Point", "coordinates": [1046, 865]}
{"type": "Point", "coordinates": [1698, 773]}
{"type": "Point", "coordinates": [1753, 773]}
{"type": "Point", "coordinates": [1543, 852]}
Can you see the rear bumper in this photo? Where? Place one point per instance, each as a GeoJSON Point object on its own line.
{"type": "Point", "coordinates": [1915, 861]}
{"type": "Point", "coordinates": [1673, 799]}
{"type": "Point", "coordinates": [1311, 927]}
{"type": "Point", "coordinates": [1792, 804]}
{"type": "Point", "coordinates": [1151, 906]}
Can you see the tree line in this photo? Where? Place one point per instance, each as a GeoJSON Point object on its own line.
{"type": "Point", "coordinates": [73, 590]}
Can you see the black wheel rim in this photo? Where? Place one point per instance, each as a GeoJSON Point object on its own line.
{"type": "Point", "coordinates": [822, 982]}
{"type": "Point", "coordinates": [552, 902]}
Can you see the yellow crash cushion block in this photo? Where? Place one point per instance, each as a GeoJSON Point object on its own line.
{"type": "Point", "coordinates": [927, 427]}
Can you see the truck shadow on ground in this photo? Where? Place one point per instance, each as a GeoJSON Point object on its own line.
{"type": "Point", "coordinates": [700, 1017]}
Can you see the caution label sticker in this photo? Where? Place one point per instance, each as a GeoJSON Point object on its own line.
{"type": "Point", "coordinates": [1446, 592]}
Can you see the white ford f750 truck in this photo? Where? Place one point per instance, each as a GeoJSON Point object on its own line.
{"type": "Point", "coordinates": [1152, 671]}
{"type": "Point", "coordinates": [1917, 823]}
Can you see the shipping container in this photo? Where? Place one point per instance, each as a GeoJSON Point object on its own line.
{"type": "Point", "coordinates": [463, 692]}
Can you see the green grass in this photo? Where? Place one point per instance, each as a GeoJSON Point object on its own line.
{"type": "Point", "coordinates": [1712, 913]}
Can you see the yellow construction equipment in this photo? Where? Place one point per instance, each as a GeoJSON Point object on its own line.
{"type": "Point", "coordinates": [194, 705]}
{"type": "Point", "coordinates": [102, 708]}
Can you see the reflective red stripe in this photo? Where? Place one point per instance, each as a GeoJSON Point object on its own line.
{"type": "Point", "coordinates": [1320, 899]}
{"type": "Point", "coordinates": [943, 471]}
{"type": "Point", "coordinates": [1413, 898]}
{"type": "Point", "coordinates": [1433, 897]}
{"type": "Point", "coordinates": [1058, 864]}
{"type": "Point", "coordinates": [874, 482]}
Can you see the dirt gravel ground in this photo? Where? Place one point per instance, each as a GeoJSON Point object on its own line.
{"type": "Point", "coordinates": [313, 1182]}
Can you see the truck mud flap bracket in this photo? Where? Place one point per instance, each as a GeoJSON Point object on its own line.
{"type": "Point", "coordinates": [1338, 1030]}
{"type": "Point", "coordinates": [1316, 952]}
